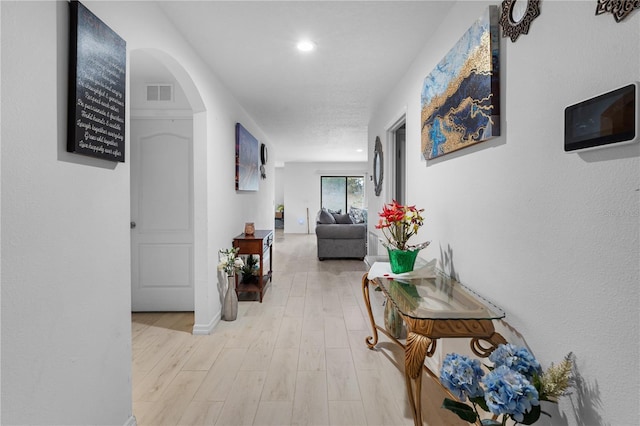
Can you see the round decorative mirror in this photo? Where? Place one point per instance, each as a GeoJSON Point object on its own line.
{"type": "Point", "coordinates": [378, 166]}
{"type": "Point", "coordinates": [518, 10]}
{"type": "Point", "coordinates": [516, 16]}
{"type": "Point", "coordinates": [263, 160]}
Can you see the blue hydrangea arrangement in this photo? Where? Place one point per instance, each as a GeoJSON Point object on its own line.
{"type": "Point", "coordinates": [461, 376]}
{"type": "Point", "coordinates": [513, 388]}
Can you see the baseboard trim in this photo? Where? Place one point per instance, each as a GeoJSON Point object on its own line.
{"type": "Point", "coordinates": [131, 421]}
{"type": "Point", "coordinates": [203, 329]}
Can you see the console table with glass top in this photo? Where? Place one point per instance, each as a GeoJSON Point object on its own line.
{"type": "Point", "coordinates": [433, 306]}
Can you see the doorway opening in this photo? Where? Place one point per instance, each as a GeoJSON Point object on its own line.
{"type": "Point", "coordinates": [396, 139]}
{"type": "Point", "coordinates": [166, 136]}
{"type": "Point", "coordinates": [400, 164]}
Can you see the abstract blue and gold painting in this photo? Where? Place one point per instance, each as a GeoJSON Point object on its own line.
{"type": "Point", "coordinates": [461, 96]}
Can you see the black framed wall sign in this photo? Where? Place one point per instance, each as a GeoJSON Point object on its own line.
{"type": "Point", "coordinates": [97, 81]}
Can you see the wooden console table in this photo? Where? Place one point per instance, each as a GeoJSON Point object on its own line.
{"type": "Point", "coordinates": [432, 308]}
{"type": "Point", "coordinates": [259, 244]}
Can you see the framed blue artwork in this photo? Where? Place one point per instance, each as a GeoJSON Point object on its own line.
{"type": "Point", "coordinates": [247, 160]}
{"type": "Point", "coordinates": [461, 96]}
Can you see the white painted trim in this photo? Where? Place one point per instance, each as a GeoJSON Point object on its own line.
{"type": "Point", "coordinates": [341, 172]}
{"type": "Point", "coordinates": [162, 114]}
{"type": "Point", "coordinates": [131, 421]}
{"type": "Point", "coordinates": [397, 120]}
{"type": "Point", "coordinates": [390, 147]}
{"type": "Point", "coordinates": [201, 330]}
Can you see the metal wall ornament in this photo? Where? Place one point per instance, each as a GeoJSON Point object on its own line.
{"type": "Point", "coordinates": [516, 17]}
{"type": "Point", "coordinates": [263, 160]}
{"type": "Point", "coordinates": [620, 9]}
{"type": "Point", "coordinates": [378, 166]}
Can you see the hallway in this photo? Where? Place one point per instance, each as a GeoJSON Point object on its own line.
{"type": "Point", "coordinates": [297, 358]}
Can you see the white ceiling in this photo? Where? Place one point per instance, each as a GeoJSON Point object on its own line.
{"type": "Point", "coordinates": [314, 106]}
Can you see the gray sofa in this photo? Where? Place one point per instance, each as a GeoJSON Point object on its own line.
{"type": "Point", "coordinates": [338, 237]}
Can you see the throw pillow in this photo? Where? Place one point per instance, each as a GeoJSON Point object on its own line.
{"type": "Point", "coordinates": [324, 217]}
{"type": "Point", "coordinates": [357, 215]}
{"type": "Point", "coordinates": [343, 219]}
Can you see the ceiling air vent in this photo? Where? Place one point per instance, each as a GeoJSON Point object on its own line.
{"type": "Point", "coordinates": [159, 92]}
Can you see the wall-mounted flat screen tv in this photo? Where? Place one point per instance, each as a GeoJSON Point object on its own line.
{"type": "Point", "coordinates": [606, 119]}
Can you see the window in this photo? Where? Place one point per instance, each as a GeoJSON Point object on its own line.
{"type": "Point", "coordinates": [342, 192]}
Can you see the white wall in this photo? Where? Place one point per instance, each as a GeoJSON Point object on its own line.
{"type": "Point", "coordinates": [552, 238]}
{"type": "Point", "coordinates": [66, 330]}
{"type": "Point", "coordinates": [302, 191]}
{"type": "Point", "coordinates": [66, 339]}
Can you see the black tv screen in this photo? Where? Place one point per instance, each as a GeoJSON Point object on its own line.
{"type": "Point", "coordinates": [605, 119]}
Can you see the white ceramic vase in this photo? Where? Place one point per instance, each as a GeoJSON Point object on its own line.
{"type": "Point", "coordinates": [230, 302]}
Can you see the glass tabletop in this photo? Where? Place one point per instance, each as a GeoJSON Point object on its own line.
{"type": "Point", "coordinates": [440, 297]}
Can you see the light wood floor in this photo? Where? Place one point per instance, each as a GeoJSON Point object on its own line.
{"type": "Point", "coordinates": [298, 358]}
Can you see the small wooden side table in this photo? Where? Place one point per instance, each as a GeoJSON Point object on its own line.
{"type": "Point", "coordinates": [261, 245]}
{"type": "Point", "coordinates": [432, 308]}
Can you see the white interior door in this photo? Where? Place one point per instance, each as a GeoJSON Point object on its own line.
{"type": "Point", "coordinates": [162, 215]}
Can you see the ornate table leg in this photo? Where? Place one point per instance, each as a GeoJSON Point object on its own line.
{"type": "Point", "coordinates": [416, 351]}
{"type": "Point", "coordinates": [483, 351]}
{"type": "Point", "coordinates": [371, 341]}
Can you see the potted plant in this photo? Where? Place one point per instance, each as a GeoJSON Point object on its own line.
{"type": "Point", "coordinates": [250, 270]}
{"type": "Point", "coordinates": [398, 223]}
{"type": "Point", "coordinates": [511, 391]}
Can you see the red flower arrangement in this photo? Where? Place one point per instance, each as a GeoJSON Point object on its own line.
{"type": "Point", "coordinates": [399, 223]}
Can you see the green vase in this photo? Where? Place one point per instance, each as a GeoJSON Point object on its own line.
{"type": "Point", "coordinates": [402, 260]}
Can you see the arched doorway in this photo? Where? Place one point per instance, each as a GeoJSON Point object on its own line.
{"type": "Point", "coordinates": [167, 137]}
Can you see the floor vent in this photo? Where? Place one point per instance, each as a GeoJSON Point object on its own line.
{"type": "Point", "coordinates": [159, 92]}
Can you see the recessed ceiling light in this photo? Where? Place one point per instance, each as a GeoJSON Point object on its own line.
{"type": "Point", "coordinates": [359, 150]}
{"type": "Point", "coordinates": [306, 45]}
